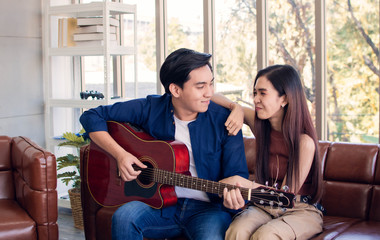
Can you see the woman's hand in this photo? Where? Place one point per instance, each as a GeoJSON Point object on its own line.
{"type": "Point", "coordinates": [232, 198]}
{"type": "Point", "coordinates": [235, 120]}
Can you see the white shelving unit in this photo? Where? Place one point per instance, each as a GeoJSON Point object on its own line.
{"type": "Point", "coordinates": [72, 76]}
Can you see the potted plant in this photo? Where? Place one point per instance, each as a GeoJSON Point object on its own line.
{"type": "Point", "coordinates": [72, 176]}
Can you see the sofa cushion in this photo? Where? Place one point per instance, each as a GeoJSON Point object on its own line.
{"type": "Point", "coordinates": [346, 199]}
{"type": "Point", "coordinates": [7, 189]}
{"type": "Point", "coordinates": [15, 223]}
{"type": "Point", "coordinates": [374, 212]}
{"type": "Point", "coordinates": [40, 205]}
{"type": "Point", "coordinates": [361, 230]}
{"type": "Point", "coordinates": [332, 226]}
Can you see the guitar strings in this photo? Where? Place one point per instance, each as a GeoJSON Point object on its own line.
{"type": "Point", "coordinates": [177, 179]}
{"type": "Point", "coordinates": [162, 178]}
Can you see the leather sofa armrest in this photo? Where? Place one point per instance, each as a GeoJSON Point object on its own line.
{"type": "Point", "coordinates": [35, 179]}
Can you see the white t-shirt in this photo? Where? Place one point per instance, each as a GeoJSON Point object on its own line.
{"type": "Point", "coordinates": [182, 134]}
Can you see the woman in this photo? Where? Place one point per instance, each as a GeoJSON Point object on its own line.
{"type": "Point", "coordinates": [287, 155]}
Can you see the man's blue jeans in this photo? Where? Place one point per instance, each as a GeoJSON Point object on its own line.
{"type": "Point", "coordinates": [195, 219]}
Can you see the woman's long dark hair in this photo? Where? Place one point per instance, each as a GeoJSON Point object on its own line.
{"type": "Point", "coordinates": [296, 121]}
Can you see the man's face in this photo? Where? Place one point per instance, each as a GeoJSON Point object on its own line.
{"type": "Point", "coordinates": [195, 95]}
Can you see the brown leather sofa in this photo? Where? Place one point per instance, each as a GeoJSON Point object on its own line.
{"type": "Point", "coordinates": [28, 196]}
{"type": "Point", "coordinates": [351, 192]}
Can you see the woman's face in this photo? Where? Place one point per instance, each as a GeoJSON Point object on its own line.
{"type": "Point", "coordinates": [268, 103]}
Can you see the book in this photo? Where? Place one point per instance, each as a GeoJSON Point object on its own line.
{"type": "Point", "coordinates": [94, 29]}
{"type": "Point", "coordinates": [60, 32]}
{"type": "Point", "coordinates": [92, 43]}
{"type": "Point", "coordinates": [66, 30]}
{"type": "Point", "coordinates": [86, 21]}
{"type": "Point", "coordinates": [91, 36]}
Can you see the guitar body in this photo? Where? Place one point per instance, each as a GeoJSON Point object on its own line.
{"type": "Point", "coordinates": [108, 189]}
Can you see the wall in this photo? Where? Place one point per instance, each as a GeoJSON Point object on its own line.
{"type": "Point", "coordinates": [21, 83]}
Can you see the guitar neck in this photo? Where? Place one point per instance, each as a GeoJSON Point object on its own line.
{"type": "Point", "coordinates": [185, 181]}
{"type": "Point", "coordinates": [195, 183]}
{"type": "Point", "coordinates": [261, 195]}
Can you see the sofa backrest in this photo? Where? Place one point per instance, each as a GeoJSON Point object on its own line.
{"type": "Point", "coordinates": [374, 211]}
{"type": "Point", "coordinates": [250, 150]}
{"type": "Point", "coordinates": [350, 187]}
{"type": "Point", "coordinates": [351, 173]}
{"type": "Point", "coordinates": [6, 178]}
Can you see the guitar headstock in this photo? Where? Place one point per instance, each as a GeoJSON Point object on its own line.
{"type": "Point", "coordinates": [272, 197]}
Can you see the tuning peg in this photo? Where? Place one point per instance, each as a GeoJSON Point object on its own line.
{"type": "Point", "coordinates": [285, 188]}
{"type": "Point", "coordinates": [275, 186]}
{"type": "Point", "coordinates": [266, 183]}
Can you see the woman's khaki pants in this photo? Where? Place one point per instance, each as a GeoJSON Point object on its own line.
{"type": "Point", "coordinates": [258, 222]}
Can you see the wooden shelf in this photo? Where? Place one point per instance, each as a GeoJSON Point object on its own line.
{"type": "Point", "coordinates": [91, 9]}
{"type": "Point", "coordinates": [92, 51]}
{"type": "Point", "coordinates": [70, 72]}
{"type": "Point", "coordinates": [82, 103]}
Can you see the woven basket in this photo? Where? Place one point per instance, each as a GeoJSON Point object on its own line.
{"type": "Point", "coordinates": [76, 207]}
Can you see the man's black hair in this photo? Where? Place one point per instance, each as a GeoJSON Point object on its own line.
{"type": "Point", "coordinates": [179, 64]}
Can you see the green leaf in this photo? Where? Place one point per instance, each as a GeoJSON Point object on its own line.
{"type": "Point", "coordinates": [82, 131]}
{"type": "Point", "coordinates": [72, 137]}
{"type": "Point", "coordinates": [66, 174]}
{"type": "Point", "coordinates": [67, 161]}
{"type": "Point", "coordinates": [71, 160]}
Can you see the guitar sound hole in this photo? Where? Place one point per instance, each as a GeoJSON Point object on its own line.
{"type": "Point", "coordinates": [147, 174]}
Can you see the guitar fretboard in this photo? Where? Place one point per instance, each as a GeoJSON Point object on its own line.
{"type": "Point", "coordinates": [260, 195]}
{"type": "Point", "coordinates": [195, 183]}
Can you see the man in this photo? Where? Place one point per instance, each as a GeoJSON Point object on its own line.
{"type": "Point", "coordinates": [184, 113]}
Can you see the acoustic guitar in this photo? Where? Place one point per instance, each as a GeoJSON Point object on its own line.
{"type": "Point", "coordinates": [168, 166]}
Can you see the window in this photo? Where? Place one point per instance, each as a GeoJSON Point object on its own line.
{"type": "Point", "coordinates": [352, 53]}
{"type": "Point", "coordinates": [146, 77]}
{"type": "Point", "coordinates": [185, 24]}
{"type": "Point", "coordinates": [292, 41]}
{"type": "Point", "coordinates": [235, 50]}
{"type": "Point", "coordinates": [352, 40]}
{"type": "Point", "coordinates": [353, 70]}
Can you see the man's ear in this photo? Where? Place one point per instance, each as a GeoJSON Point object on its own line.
{"type": "Point", "coordinates": [174, 90]}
